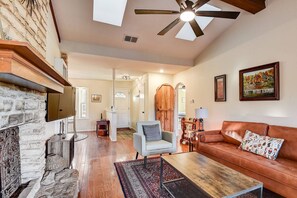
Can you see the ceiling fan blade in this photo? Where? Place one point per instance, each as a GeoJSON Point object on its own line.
{"type": "Point", "coordinates": [169, 27]}
{"type": "Point", "coordinates": [145, 11]}
{"type": "Point", "coordinates": [181, 3]}
{"type": "Point", "coordinates": [218, 14]}
{"type": "Point", "coordinates": [196, 28]}
{"type": "Point", "coordinates": [199, 3]}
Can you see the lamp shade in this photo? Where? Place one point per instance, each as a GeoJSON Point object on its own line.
{"type": "Point", "coordinates": [201, 113]}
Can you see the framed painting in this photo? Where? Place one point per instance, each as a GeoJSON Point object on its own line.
{"type": "Point", "coordinates": [259, 83]}
{"type": "Point", "coordinates": [220, 88]}
{"type": "Point", "coordinates": [96, 98]}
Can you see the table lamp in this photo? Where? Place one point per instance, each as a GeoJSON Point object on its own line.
{"type": "Point", "coordinates": [200, 114]}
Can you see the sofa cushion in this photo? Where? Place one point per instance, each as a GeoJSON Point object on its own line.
{"type": "Point", "coordinates": [155, 145]}
{"type": "Point", "coordinates": [240, 128]}
{"type": "Point", "coordinates": [289, 148]}
{"type": "Point", "coordinates": [261, 145]}
{"type": "Point", "coordinates": [281, 170]}
{"type": "Point", "coordinates": [152, 132]}
{"type": "Point", "coordinates": [234, 135]}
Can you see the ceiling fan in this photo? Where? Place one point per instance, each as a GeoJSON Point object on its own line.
{"type": "Point", "coordinates": [188, 11]}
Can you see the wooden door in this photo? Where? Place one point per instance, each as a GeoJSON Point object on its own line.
{"type": "Point", "coordinates": [164, 106]}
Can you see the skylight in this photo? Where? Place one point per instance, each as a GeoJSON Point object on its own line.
{"type": "Point", "coordinates": [187, 33]}
{"type": "Point", "coordinates": [109, 11]}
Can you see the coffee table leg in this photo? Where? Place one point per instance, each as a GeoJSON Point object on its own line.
{"type": "Point", "coordinates": [161, 174]}
{"type": "Point", "coordinates": [261, 192]}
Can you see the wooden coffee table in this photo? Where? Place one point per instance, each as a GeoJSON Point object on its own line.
{"type": "Point", "coordinates": [207, 178]}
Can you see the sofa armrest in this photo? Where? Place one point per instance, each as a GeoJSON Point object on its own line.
{"type": "Point", "coordinates": [169, 137]}
{"type": "Point", "coordinates": [212, 138]}
{"type": "Point", "coordinates": [139, 142]}
{"type": "Point", "coordinates": [213, 132]}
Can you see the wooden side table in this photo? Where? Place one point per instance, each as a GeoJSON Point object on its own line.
{"type": "Point", "coordinates": [103, 127]}
{"type": "Point", "coordinates": [188, 125]}
{"type": "Point", "coordinates": [191, 135]}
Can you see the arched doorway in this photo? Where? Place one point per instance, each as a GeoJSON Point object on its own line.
{"type": "Point", "coordinates": [180, 104]}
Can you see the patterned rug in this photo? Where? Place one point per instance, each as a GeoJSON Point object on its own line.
{"type": "Point", "coordinates": [138, 182]}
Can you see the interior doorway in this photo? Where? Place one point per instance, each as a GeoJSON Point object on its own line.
{"type": "Point", "coordinates": [180, 103]}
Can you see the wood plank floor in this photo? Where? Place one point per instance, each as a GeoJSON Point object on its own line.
{"type": "Point", "coordinates": [94, 158]}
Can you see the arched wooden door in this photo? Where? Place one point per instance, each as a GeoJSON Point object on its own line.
{"type": "Point", "coordinates": [164, 106]}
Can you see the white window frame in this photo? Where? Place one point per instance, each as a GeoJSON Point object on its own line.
{"type": "Point", "coordinates": [79, 105]}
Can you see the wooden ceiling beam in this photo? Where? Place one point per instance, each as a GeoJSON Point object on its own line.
{"type": "Point", "coordinates": [252, 6]}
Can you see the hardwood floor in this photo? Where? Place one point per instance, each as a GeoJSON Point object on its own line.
{"type": "Point", "coordinates": [94, 158]}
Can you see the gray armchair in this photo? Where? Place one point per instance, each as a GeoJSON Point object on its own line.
{"type": "Point", "coordinates": [145, 148]}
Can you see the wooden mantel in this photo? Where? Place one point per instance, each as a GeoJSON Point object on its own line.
{"type": "Point", "coordinates": [21, 65]}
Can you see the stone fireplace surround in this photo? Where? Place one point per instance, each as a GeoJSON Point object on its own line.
{"type": "Point", "coordinates": [26, 109]}
{"type": "Point", "coordinates": [25, 79]}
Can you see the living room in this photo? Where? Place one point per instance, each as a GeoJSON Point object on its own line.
{"type": "Point", "coordinates": [250, 40]}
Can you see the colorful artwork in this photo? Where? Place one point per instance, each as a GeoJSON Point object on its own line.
{"type": "Point", "coordinates": [260, 83]}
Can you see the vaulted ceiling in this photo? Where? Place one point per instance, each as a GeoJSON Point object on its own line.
{"type": "Point", "coordinates": [81, 37]}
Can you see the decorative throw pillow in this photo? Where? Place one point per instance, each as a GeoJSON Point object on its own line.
{"type": "Point", "coordinates": [261, 145]}
{"type": "Point", "coordinates": [152, 132]}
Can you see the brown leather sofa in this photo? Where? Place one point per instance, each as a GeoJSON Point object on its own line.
{"type": "Point", "coordinates": [278, 175]}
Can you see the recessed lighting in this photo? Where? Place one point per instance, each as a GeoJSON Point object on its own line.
{"type": "Point", "coordinates": [161, 70]}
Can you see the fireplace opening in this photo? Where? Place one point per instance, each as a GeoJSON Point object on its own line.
{"type": "Point", "coordinates": [10, 166]}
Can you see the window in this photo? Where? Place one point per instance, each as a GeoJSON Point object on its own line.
{"type": "Point", "coordinates": [82, 103]}
{"type": "Point", "coordinates": [120, 95]}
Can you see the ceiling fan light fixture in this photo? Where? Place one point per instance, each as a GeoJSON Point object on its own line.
{"type": "Point", "coordinates": [187, 15]}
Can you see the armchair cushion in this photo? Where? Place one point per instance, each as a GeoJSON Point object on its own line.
{"type": "Point", "coordinates": [152, 132]}
{"type": "Point", "coordinates": [156, 145]}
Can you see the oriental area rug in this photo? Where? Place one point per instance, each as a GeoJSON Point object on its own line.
{"type": "Point", "coordinates": [140, 182]}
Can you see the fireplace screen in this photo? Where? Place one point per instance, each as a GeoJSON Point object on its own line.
{"type": "Point", "coordinates": [10, 173]}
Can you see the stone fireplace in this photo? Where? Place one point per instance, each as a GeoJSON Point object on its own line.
{"type": "Point", "coordinates": [22, 113]}
{"type": "Point", "coordinates": [25, 80]}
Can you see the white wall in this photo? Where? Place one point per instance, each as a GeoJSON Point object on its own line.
{"type": "Point", "coordinates": [138, 94]}
{"type": "Point", "coordinates": [253, 40]}
{"type": "Point", "coordinates": [52, 51]}
{"type": "Point", "coordinates": [181, 103]}
{"type": "Point", "coordinates": [52, 42]}
{"type": "Point", "coordinates": [102, 87]}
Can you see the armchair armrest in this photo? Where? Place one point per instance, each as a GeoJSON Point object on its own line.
{"type": "Point", "coordinates": [139, 142]}
{"type": "Point", "coordinates": [169, 137]}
